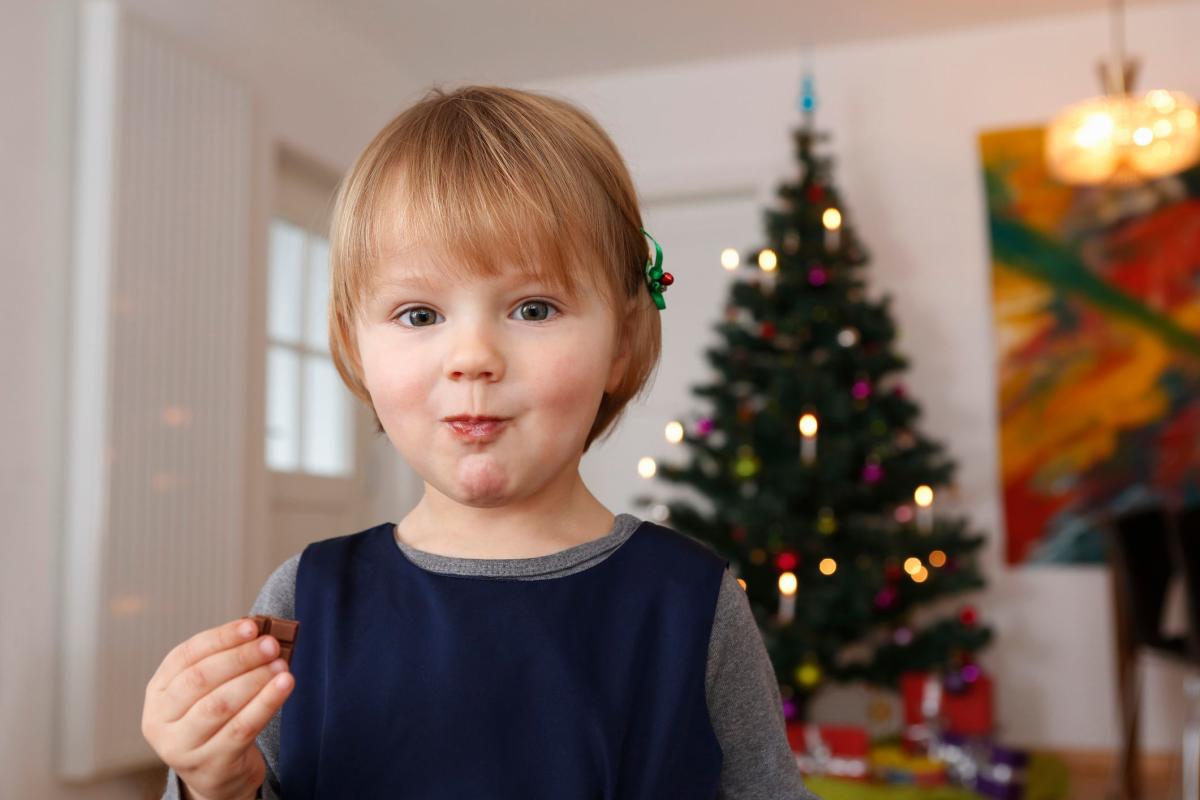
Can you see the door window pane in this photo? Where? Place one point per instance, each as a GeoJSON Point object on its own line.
{"type": "Point", "coordinates": [286, 288]}
{"type": "Point", "coordinates": [283, 387]}
{"type": "Point", "coordinates": [326, 419]}
{"type": "Point", "coordinates": [318, 293]}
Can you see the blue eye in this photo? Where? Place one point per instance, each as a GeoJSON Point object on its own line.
{"type": "Point", "coordinates": [534, 304]}
{"type": "Point", "coordinates": [420, 315]}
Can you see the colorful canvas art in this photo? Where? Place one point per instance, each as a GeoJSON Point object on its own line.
{"type": "Point", "coordinates": [1096, 298]}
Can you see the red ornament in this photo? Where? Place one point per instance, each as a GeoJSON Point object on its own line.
{"type": "Point", "coordinates": [768, 330]}
{"type": "Point", "coordinates": [815, 193]}
{"type": "Point", "coordinates": [786, 560]}
{"type": "Point", "coordinates": [667, 279]}
{"type": "Point", "coordinates": [969, 616]}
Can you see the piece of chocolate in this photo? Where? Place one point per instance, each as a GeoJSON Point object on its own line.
{"type": "Point", "coordinates": [285, 630]}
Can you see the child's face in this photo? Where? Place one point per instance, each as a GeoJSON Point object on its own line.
{"type": "Point", "coordinates": [490, 347]}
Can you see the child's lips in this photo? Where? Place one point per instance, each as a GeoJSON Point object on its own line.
{"type": "Point", "coordinates": [477, 432]}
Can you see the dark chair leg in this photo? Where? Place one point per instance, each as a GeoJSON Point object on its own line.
{"type": "Point", "coordinates": [1127, 778]}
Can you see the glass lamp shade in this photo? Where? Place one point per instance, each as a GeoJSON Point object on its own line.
{"type": "Point", "coordinates": [1120, 139]}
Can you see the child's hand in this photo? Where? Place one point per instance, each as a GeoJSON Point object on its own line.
{"type": "Point", "coordinates": [207, 703]}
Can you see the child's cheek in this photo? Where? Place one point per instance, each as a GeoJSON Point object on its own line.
{"type": "Point", "coordinates": [568, 386]}
{"type": "Point", "coordinates": [399, 391]}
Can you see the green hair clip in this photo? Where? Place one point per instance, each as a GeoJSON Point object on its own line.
{"type": "Point", "coordinates": [656, 279]}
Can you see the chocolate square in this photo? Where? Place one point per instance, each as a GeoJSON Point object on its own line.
{"type": "Point", "coordinates": [285, 630]}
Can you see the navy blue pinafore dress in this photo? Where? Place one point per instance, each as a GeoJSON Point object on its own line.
{"type": "Point", "coordinates": [423, 685]}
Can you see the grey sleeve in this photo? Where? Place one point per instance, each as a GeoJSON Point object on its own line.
{"type": "Point", "coordinates": [745, 707]}
{"type": "Point", "coordinates": [278, 599]}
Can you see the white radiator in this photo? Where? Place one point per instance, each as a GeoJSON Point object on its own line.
{"type": "Point", "coordinates": [152, 540]}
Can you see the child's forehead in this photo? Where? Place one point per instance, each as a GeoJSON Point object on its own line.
{"type": "Point", "coordinates": [415, 275]}
{"type": "Point", "coordinates": [424, 266]}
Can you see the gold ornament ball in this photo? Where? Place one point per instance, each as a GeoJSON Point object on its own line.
{"type": "Point", "coordinates": [747, 463]}
{"type": "Point", "coordinates": [808, 675]}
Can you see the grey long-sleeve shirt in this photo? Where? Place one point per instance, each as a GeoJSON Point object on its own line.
{"type": "Point", "coordinates": [744, 704]}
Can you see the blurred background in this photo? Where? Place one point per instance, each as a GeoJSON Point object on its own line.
{"type": "Point", "coordinates": [930, 375]}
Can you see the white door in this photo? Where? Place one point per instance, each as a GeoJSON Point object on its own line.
{"type": "Point", "coordinates": [316, 441]}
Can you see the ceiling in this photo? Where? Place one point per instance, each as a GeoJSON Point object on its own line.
{"type": "Point", "coordinates": [530, 40]}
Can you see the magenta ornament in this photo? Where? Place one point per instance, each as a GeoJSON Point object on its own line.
{"type": "Point", "coordinates": [789, 709]}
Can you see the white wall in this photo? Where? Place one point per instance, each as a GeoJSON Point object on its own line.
{"type": "Point", "coordinates": [904, 117]}
{"type": "Point", "coordinates": [316, 90]}
{"type": "Point", "coordinates": [908, 170]}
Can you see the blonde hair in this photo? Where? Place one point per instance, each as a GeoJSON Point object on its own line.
{"type": "Point", "coordinates": [492, 176]}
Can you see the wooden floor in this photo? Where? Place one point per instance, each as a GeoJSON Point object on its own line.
{"type": "Point", "coordinates": [1092, 776]}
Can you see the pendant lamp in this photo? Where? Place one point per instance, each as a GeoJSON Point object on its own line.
{"type": "Point", "coordinates": [1120, 138]}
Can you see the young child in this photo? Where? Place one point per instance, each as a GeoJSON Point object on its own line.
{"type": "Point", "coordinates": [493, 301]}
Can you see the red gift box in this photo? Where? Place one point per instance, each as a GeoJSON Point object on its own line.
{"type": "Point", "coordinates": [844, 749]}
{"type": "Point", "coordinates": [968, 712]}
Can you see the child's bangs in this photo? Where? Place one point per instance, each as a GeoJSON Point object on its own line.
{"type": "Point", "coordinates": [474, 224]}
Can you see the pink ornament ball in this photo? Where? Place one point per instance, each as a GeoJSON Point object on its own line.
{"type": "Point", "coordinates": [789, 709]}
{"type": "Point", "coordinates": [817, 276]}
{"type": "Point", "coordinates": [861, 390]}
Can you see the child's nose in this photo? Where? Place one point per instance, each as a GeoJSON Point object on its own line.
{"type": "Point", "coordinates": [476, 353]}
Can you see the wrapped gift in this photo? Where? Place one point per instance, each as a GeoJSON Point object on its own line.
{"type": "Point", "coordinates": [891, 764]}
{"type": "Point", "coordinates": [935, 704]}
{"type": "Point", "coordinates": [837, 751]}
{"type": "Point", "coordinates": [979, 764]}
{"type": "Point", "coordinates": [1004, 775]}
{"type": "Point", "coordinates": [969, 712]}
{"type": "Point", "coordinates": [921, 693]}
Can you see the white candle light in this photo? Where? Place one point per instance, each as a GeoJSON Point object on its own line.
{"type": "Point", "coordinates": [768, 263]}
{"type": "Point", "coordinates": [808, 441]}
{"type": "Point", "coordinates": [787, 597]}
{"type": "Point", "coordinates": [924, 499]}
{"type": "Point", "coordinates": [832, 220]}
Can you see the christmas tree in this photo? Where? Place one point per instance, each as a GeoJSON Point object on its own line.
{"type": "Point", "coordinates": [821, 488]}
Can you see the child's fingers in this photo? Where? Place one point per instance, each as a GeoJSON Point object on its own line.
{"type": "Point", "coordinates": [201, 679]}
{"type": "Point", "coordinates": [241, 730]}
{"type": "Point", "coordinates": [199, 647]}
{"type": "Point", "coordinates": [226, 705]}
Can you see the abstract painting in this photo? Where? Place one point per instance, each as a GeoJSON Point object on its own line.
{"type": "Point", "coordinates": [1096, 301]}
